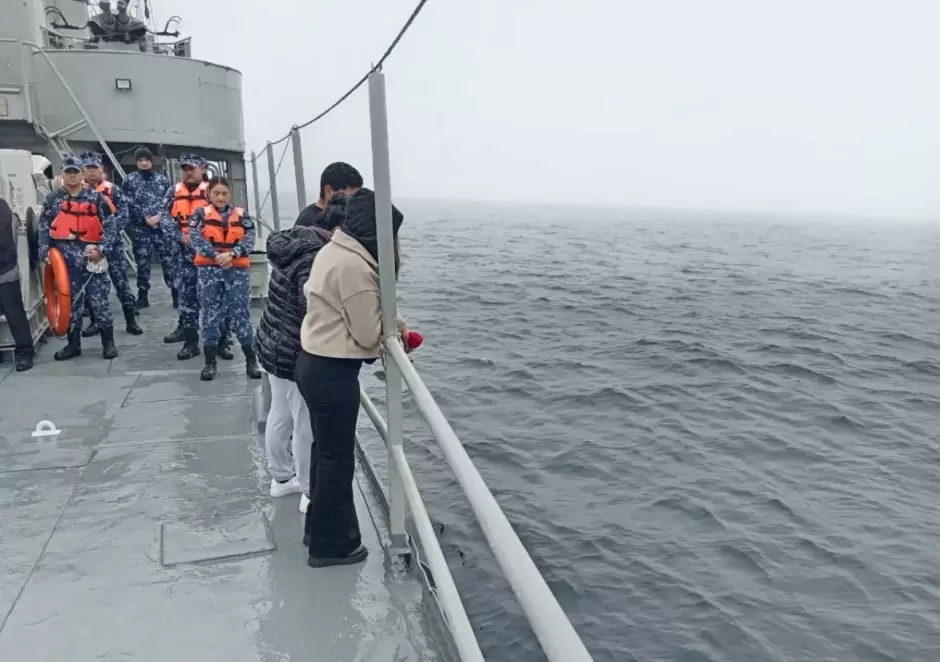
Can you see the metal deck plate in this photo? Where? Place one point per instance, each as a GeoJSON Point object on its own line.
{"type": "Point", "coordinates": [161, 543]}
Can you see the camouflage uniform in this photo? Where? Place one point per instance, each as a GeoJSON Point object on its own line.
{"type": "Point", "coordinates": [117, 265]}
{"type": "Point", "coordinates": [225, 292]}
{"type": "Point", "coordinates": [144, 191]}
{"type": "Point", "coordinates": [187, 279]}
{"type": "Point", "coordinates": [84, 284]}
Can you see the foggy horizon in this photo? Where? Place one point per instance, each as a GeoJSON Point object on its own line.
{"type": "Point", "coordinates": [806, 109]}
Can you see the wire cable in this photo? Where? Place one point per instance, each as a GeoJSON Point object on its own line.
{"type": "Point", "coordinates": [268, 194]}
{"type": "Point", "coordinates": [375, 67]}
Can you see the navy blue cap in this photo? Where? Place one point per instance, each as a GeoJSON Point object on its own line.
{"type": "Point", "coordinates": [92, 159]}
{"type": "Point", "coordinates": [71, 162]}
{"type": "Point", "coordinates": [192, 160]}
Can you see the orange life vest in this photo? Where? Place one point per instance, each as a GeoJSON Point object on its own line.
{"type": "Point", "coordinates": [186, 202]}
{"type": "Point", "coordinates": [223, 236]}
{"type": "Point", "coordinates": [106, 189]}
{"type": "Point", "coordinates": [79, 218]}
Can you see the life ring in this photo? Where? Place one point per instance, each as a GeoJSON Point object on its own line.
{"type": "Point", "coordinates": [58, 291]}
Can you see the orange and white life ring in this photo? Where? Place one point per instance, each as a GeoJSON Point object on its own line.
{"type": "Point", "coordinates": [58, 291]}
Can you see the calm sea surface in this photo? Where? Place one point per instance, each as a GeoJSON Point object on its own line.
{"type": "Point", "coordinates": [719, 438]}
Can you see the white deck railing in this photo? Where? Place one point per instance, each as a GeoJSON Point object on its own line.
{"type": "Point", "coordinates": [554, 631]}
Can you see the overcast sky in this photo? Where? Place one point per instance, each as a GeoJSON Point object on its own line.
{"type": "Point", "coordinates": [804, 105]}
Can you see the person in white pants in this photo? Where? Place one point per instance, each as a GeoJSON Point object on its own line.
{"type": "Point", "coordinates": [288, 440]}
{"type": "Point", "coordinates": [288, 436]}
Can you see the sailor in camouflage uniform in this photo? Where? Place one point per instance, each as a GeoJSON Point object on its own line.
{"type": "Point", "coordinates": [223, 237]}
{"type": "Point", "coordinates": [117, 265]}
{"type": "Point", "coordinates": [76, 220]}
{"type": "Point", "coordinates": [144, 191]}
{"type": "Point", "coordinates": [178, 205]}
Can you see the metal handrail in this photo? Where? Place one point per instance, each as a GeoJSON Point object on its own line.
{"type": "Point", "coordinates": [557, 636]}
{"type": "Point", "coordinates": [91, 125]}
{"type": "Point", "coordinates": [462, 631]}
{"type": "Point", "coordinates": [554, 631]}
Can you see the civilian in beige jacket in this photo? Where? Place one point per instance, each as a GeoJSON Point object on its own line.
{"type": "Point", "coordinates": [341, 330]}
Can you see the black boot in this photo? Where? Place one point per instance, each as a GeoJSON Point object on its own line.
{"type": "Point", "coordinates": [130, 318]}
{"type": "Point", "coordinates": [108, 350]}
{"type": "Point", "coordinates": [92, 329]}
{"type": "Point", "coordinates": [225, 349]}
{"type": "Point", "coordinates": [251, 362]}
{"type": "Point", "coordinates": [176, 298]}
{"type": "Point", "coordinates": [208, 372]}
{"type": "Point", "coordinates": [178, 335]}
{"type": "Point", "coordinates": [191, 346]}
{"type": "Point", "coordinates": [143, 300]}
{"type": "Point", "coordinates": [225, 342]}
{"type": "Point", "coordinates": [24, 362]}
{"type": "Point", "coordinates": [73, 349]}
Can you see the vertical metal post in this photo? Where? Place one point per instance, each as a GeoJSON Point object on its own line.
{"type": "Point", "coordinates": [299, 169]}
{"type": "Point", "coordinates": [254, 181]}
{"type": "Point", "coordinates": [272, 175]}
{"type": "Point", "coordinates": [381, 175]}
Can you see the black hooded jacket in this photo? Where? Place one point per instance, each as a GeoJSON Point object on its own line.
{"type": "Point", "coordinates": [291, 255]}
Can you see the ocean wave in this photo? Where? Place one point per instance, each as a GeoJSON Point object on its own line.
{"type": "Point", "coordinates": [718, 439]}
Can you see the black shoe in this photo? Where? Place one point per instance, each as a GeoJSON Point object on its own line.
{"type": "Point", "coordinates": [251, 363]}
{"type": "Point", "coordinates": [73, 349]}
{"type": "Point", "coordinates": [208, 372]}
{"type": "Point", "coordinates": [92, 330]}
{"type": "Point", "coordinates": [24, 363]}
{"type": "Point", "coordinates": [191, 345]}
{"type": "Point", "coordinates": [358, 555]}
{"type": "Point", "coordinates": [108, 350]}
{"type": "Point", "coordinates": [176, 298]}
{"type": "Point", "coordinates": [178, 335]}
{"type": "Point", "coordinates": [143, 300]}
{"type": "Point", "coordinates": [225, 350]}
{"type": "Point", "coordinates": [130, 318]}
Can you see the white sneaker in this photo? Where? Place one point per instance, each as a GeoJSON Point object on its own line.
{"type": "Point", "coordinates": [283, 489]}
{"type": "Point", "coordinates": [304, 503]}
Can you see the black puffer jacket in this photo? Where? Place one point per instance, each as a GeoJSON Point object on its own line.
{"type": "Point", "coordinates": [291, 255]}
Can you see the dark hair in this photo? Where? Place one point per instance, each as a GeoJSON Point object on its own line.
{"type": "Point", "coordinates": [215, 181]}
{"type": "Point", "coordinates": [335, 212]}
{"type": "Point", "coordinates": [339, 176]}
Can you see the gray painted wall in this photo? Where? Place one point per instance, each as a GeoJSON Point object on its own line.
{"type": "Point", "coordinates": [173, 101]}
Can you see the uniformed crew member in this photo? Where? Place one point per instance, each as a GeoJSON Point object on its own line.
{"type": "Point", "coordinates": [117, 265]}
{"type": "Point", "coordinates": [178, 206]}
{"type": "Point", "coordinates": [223, 237]}
{"type": "Point", "coordinates": [76, 220]}
{"type": "Point", "coordinates": [144, 191]}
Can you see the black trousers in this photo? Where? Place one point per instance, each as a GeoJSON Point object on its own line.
{"type": "Point", "coordinates": [331, 389]}
{"type": "Point", "coordinates": [11, 305]}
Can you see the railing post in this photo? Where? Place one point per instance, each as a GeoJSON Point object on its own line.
{"type": "Point", "coordinates": [383, 211]}
{"type": "Point", "coordinates": [257, 191]}
{"type": "Point", "coordinates": [272, 175]}
{"type": "Point", "coordinates": [299, 169]}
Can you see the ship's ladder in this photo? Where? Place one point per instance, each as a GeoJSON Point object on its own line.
{"type": "Point", "coordinates": [57, 140]}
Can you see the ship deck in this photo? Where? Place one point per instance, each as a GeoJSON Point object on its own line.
{"type": "Point", "coordinates": [144, 531]}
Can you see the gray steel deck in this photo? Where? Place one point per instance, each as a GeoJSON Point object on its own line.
{"type": "Point", "coordinates": [144, 531]}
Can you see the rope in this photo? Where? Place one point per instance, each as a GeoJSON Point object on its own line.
{"type": "Point", "coordinates": [375, 67]}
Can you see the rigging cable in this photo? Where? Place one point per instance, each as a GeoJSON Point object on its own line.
{"type": "Point", "coordinates": [375, 67]}
{"type": "Point", "coordinates": [268, 194]}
